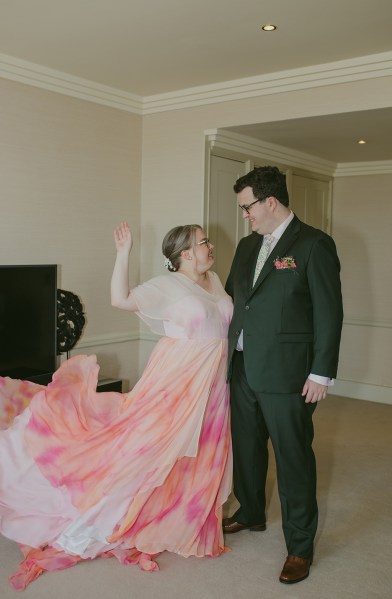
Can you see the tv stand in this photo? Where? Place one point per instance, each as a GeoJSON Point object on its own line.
{"type": "Point", "coordinates": [104, 383]}
{"type": "Point", "coordinates": [107, 384]}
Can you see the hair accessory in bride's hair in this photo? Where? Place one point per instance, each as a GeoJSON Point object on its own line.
{"type": "Point", "coordinates": [168, 264]}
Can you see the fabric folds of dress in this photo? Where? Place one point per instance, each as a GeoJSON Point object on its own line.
{"type": "Point", "coordinates": [86, 474]}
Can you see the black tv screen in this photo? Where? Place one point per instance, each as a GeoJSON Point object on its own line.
{"type": "Point", "coordinates": [28, 314]}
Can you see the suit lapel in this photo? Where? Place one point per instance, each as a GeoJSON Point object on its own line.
{"type": "Point", "coordinates": [281, 248]}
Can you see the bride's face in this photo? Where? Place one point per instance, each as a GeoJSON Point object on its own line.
{"type": "Point", "coordinates": [203, 251]}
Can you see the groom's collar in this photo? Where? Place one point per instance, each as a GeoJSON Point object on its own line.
{"type": "Point", "coordinates": [278, 232]}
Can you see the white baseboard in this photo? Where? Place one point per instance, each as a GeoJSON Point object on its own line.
{"type": "Point", "coordinates": [107, 339]}
{"type": "Point", "coordinates": [364, 391]}
{"type": "Point", "coordinates": [341, 387]}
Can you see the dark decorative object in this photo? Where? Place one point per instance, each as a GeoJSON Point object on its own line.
{"type": "Point", "coordinates": [70, 320]}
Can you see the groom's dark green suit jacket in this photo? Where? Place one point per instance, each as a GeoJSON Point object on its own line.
{"type": "Point", "coordinates": [292, 318]}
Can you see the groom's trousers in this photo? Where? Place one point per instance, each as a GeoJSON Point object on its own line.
{"type": "Point", "coordinates": [287, 420]}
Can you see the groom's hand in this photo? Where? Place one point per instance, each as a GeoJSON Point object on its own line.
{"type": "Point", "coordinates": [313, 391]}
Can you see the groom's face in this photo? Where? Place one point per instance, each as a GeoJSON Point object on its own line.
{"type": "Point", "coordinates": [259, 214]}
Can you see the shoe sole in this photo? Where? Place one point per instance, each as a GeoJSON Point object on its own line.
{"type": "Point", "coordinates": [257, 528]}
{"type": "Point", "coordinates": [294, 581]}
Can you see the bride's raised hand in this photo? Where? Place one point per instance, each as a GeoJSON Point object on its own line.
{"type": "Point", "coordinates": [123, 238]}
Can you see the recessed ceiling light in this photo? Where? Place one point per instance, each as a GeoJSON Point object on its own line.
{"type": "Point", "coordinates": [268, 27]}
{"type": "Point", "coordinates": [361, 142]}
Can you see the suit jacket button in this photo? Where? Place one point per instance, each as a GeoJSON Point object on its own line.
{"type": "Point", "coordinates": [247, 307]}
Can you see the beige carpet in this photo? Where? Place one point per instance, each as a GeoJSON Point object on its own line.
{"type": "Point", "coordinates": [354, 544]}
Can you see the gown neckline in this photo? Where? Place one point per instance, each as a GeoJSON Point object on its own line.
{"type": "Point", "coordinates": [199, 286]}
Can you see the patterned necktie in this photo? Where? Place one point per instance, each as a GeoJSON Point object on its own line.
{"type": "Point", "coordinates": [263, 255]}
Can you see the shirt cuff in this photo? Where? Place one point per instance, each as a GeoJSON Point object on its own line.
{"type": "Point", "coordinates": [322, 380]}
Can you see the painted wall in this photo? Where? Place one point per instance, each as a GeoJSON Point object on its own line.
{"type": "Point", "coordinates": [69, 171]}
{"type": "Point", "coordinates": [362, 217]}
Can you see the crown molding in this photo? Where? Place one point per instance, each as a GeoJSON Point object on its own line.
{"type": "Point", "coordinates": [236, 145]}
{"type": "Point", "coordinates": [68, 85]}
{"type": "Point", "coordinates": [354, 169]}
{"type": "Point", "coordinates": [344, 71]}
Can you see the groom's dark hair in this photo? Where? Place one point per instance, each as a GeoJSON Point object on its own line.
{"type": "Point", "coordinates": [265, 181]}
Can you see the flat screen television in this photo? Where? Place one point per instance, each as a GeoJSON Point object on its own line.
{"type": "Point", "coordinates": [28, 321]}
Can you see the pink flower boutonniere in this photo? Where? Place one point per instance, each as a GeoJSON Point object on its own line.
{"type": "Point", "coordinates": [285, 263]}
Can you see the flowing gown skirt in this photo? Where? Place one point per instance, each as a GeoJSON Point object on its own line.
{"type": "Point", "coordinates": [86, 474]}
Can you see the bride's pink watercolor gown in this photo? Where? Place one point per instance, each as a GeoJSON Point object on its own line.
{"type": "Point", "coordinates": [86, 474]}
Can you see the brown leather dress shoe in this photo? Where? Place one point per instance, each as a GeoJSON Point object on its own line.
{"type": "Point", "coordinates": [229, 526]}
{"type": "Point", "coordinates": [295, 569]}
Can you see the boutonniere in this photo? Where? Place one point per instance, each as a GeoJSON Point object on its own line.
{"type": "Point", "coordinates": [285, 263]}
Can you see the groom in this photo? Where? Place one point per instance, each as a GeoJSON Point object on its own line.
{"type": "Point", "coordinates": [283, 353]}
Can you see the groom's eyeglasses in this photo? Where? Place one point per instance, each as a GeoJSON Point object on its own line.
{"type": "Point", "coordinates": [246, 207]}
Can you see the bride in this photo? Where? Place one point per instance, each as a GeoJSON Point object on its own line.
{"type": "Point", "coordinates": [86, 474]}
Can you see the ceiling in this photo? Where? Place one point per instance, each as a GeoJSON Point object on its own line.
{"type": "Point", "coordinates": [158, 46]}
{"type": "Point", "coordinates": [331, 137]}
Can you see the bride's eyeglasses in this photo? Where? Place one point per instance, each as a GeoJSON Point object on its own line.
{"type": "Point", "coordinates": [205, 241]}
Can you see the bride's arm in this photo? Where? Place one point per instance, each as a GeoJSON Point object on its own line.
{"type": "Point", "coordinates": [121, 295]}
